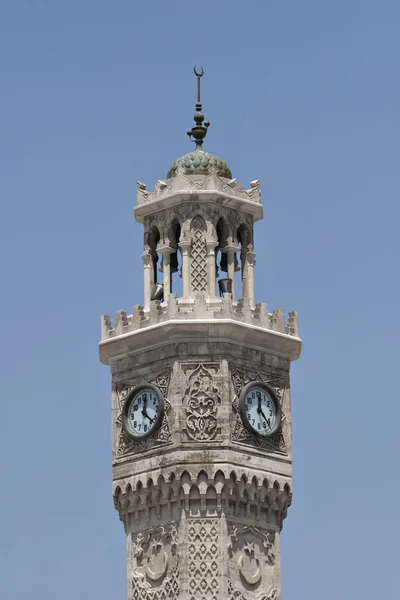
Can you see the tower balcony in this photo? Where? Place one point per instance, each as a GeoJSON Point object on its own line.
{"type": "Point", "coordinates": [199, 319]}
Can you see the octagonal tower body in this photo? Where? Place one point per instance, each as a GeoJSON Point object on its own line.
{"type": "Point", "coordinates": [203, 499]}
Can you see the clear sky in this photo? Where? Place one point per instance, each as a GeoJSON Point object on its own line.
{"type": "Point", "coordinates": [96, 95]}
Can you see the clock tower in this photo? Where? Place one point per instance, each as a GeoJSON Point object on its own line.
{"type": "Point", "coordinates": [201, 421]}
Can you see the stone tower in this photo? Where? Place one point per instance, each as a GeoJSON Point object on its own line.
{"type": "Point", "coordinates": [201, 422]}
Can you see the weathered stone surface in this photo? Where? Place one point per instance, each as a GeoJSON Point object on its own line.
{"type": "Point", "coordinates": [202, 500]}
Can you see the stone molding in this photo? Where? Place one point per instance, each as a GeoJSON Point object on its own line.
{"type": "Point", "coordinates": [199, 326]}
{"type": "Point", "coordinates": [183, 188]}
{"type": "Point", "coordinates": [199, 308]}
{"type": "Point", "coordinates": [214, 488]}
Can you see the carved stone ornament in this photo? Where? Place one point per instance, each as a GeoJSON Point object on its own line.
{"type": "Point", "coordinates": [233, 216]}
{"type": "Point", "coordinates": [198, 263]}
{"type": "Point", "coordinates": [235, 594]}
{"type": "Point", "coordinates": [127, 445]}
{"type": "Point", "coordinates": [252, 549]}
{"type": "Point", "coordinates": [201, 400]}
{"type": "Point", "coordinates": [156, 574]}
{"type": "Point", "coordinates": [204, 559]}
{"type": "Point", "coordinates": [240, 434]}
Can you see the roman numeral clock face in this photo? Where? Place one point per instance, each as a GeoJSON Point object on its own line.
{"type": "Point", "coordinates": [259, 409]}
{"type": "Point", "coordinates": [143, 411]}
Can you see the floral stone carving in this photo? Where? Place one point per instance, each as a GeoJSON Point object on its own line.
{"type": "Point", "coordinates": [126, 445]}
{"type": "Point", "coordinates": [201, 399]}
{"type": "Point", "coordinates": [240, 434]}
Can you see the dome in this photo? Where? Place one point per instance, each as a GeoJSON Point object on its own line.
{"type": "Point", "coordinates": [199, 162]}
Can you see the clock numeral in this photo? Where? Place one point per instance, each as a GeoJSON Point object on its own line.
{"type": "Point", "coordinates": [248, 416]}
{"type": "Point", "coordinates": [254, 421]}
{"type": "Point", "coordinates": [270, 413]}
{"type": "Point", "coordinates": [249, 400]}
{"type": "Point", "coordinates": [253, 395]}
{"type": "Point", "coordinates": [259, 426]}
{"type": "Point", "coordinates": [145, 428]}
{"type": "Point", "coordinates": [135, 408]}
{"type": "Point", "coordinates": [135, 424]}
{"type": "Point", "coordinates": [154, 401]}
{"type": "Point", "coordinates": [265, 425]}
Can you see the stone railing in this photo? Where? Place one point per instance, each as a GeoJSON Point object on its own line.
{"type": "Point", "coordinates": [198, 310]}
{"type": "Point", "coordinates": [182, 183]}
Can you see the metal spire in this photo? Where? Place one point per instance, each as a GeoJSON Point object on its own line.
{"type": "Point", "coordinates": [199, 131]}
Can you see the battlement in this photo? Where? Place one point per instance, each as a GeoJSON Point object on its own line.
{"type": "Point", "coordinates": [199, 310]}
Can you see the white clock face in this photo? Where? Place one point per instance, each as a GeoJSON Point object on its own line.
{"type": "Point", "coordinates": [259, 410]}
{"type": "Point", "coordinates": [144, 412]}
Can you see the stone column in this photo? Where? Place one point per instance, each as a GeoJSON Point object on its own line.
{"type": "Point", "coordinates": [147, 268]}
{"type": "Point", "coordinates": [166, 251]}
{"type": "Point", "coordinates": [211, 245]}
{"type": "Point", "coordinates": [244, 273]}
{"type": "Point", "coordinates": [230, 254]}
{"type": "Point", "coordinates": [251, 263]}
{"type": "Point", "coordinates": [185, 250]}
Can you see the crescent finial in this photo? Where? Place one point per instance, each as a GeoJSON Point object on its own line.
{"type": "Point", "coordinates": [199, 74]}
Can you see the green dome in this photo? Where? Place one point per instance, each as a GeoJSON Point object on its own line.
{"type": "Point", "coordinates": [199, 162]}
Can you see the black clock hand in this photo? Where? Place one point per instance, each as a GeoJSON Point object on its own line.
{"type": "Point", "coordinates": [260, 410]}
{"type": "Point", "coordinates": [144, 413]}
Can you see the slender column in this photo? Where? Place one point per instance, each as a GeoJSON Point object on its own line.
{"type": "Point", "coordinates": [147, 267]}
{"type": "Point", "coordinates": [251, 263]}
{"type": "Point", "coordinates": [185, 249]}
{"type": "Point", "coordinates": [230, 253]}
{"type": "Point", "coordinates": [211, 245]}
{"type": "Point", "coordinates": [244, 274]}
{"type": "Point", "coordinates": [166, 251]}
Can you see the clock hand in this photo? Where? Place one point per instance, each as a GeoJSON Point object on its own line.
{"type": "Point", "coordinates": [262, 413]}
{"type": "Point", "coordinates": [144, 413]}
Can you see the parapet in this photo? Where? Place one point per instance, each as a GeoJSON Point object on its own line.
{"type": "Point", "coordinates": [199, 187]}
{"type": "Point", "coordinates": [200, 310]}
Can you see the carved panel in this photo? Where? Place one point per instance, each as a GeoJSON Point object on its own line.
{"type": "Point", "coordinates": [235, 594]}
{"type": "Point", "coordinates": [126, 445]}
{"type": "Point", "coordinates": [204, 559]}
{"type": "Point", "coordinates": [156, 575]}
{"type": "Point", "coordinates": [198, 262]}
{"type": "Point", "coordinates": [251, 562]}
{"type": "Point", "coordinates": [240, 433]}
{"type": "Point", "coordinates": [201, 399]}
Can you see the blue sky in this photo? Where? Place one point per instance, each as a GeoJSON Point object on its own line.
{"type": "Point", "coordinates": [304, 96]}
